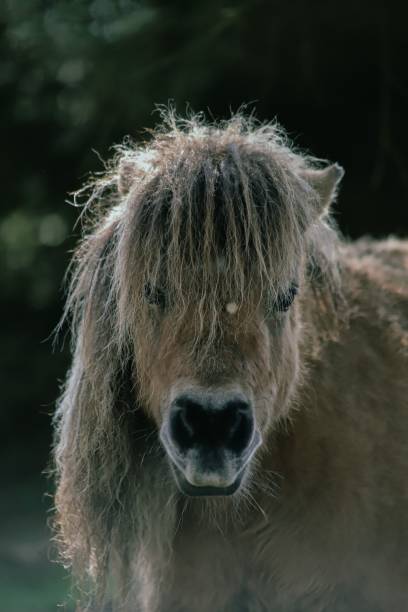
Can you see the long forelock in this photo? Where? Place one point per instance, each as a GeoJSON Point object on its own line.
{"type": "Point", "coordinates": [222, 216]}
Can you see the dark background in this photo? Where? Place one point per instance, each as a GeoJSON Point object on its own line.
{"type": "Point", "coordinates": [76, 77]}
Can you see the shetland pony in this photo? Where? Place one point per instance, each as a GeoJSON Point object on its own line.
{"type": "Point", "coordinates": [233, 432]}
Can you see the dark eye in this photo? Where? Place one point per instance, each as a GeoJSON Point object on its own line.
{"type": "Point", "coordinates": [154, 296]}
{"type": "Point", "coordinates": [285, 300]}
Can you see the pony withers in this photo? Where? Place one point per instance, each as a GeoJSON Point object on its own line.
{"type": "Point", "coordinates": [232, 435]}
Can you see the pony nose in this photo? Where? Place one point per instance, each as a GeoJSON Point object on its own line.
{"type": "Point", "coordinates": [211, 422]}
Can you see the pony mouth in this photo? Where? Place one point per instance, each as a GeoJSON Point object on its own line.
{"type": "Point", "coordinates": [191, 490]}
{"type": "Point", "coordinates": [179, 469]}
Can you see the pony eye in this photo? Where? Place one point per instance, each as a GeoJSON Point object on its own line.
{"type": "Point", "coordinates": [285, 300]}
{"type": "Point", "coordinates": [154, 296]}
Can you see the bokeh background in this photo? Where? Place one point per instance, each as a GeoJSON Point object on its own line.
{"type": "Point", "coordinates": [77, 76]}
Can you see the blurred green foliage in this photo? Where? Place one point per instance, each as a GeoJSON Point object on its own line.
{"type": "Point", "coordinates": [77, 76]}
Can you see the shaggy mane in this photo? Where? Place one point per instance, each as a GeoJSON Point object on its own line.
{"type": "Point", "coordinates": [206, 214]}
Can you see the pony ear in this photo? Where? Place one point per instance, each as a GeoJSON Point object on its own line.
{"type": "Point", "coordinates": [325, 183]}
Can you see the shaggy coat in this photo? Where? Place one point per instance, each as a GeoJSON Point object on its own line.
{"type": "Point", "coordinates": [187, 275]}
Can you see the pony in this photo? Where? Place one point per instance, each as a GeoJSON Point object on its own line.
{"type": "Point", "coordinates": [232, 435]}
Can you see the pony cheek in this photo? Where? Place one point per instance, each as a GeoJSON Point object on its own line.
{"type": "Point", "coordinates": [266, 410]}
{"type": "Point", "coordinates": [153, 398]}
{"type": "Point", "coordinates": [287, 387]}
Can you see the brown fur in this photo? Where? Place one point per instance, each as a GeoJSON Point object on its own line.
{"type": "Point", "coordinates": [212, 215]}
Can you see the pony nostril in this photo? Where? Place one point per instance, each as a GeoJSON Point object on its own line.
{"type": "Point", "coordinates": [185, 421]}
{"type": "Point", "coordinates": [181, 428]}
{"type": "Point", "coordinates": [241, 428]}
{"type": "Point", "coordinates": [208, 424]}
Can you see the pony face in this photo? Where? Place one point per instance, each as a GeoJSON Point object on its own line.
{"type": "Point", "coordinates": [214, 399]}
{"type": "Point", "coordinates": [193, 274]}
{"type": "Point", "coordinates": [211, 250]}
